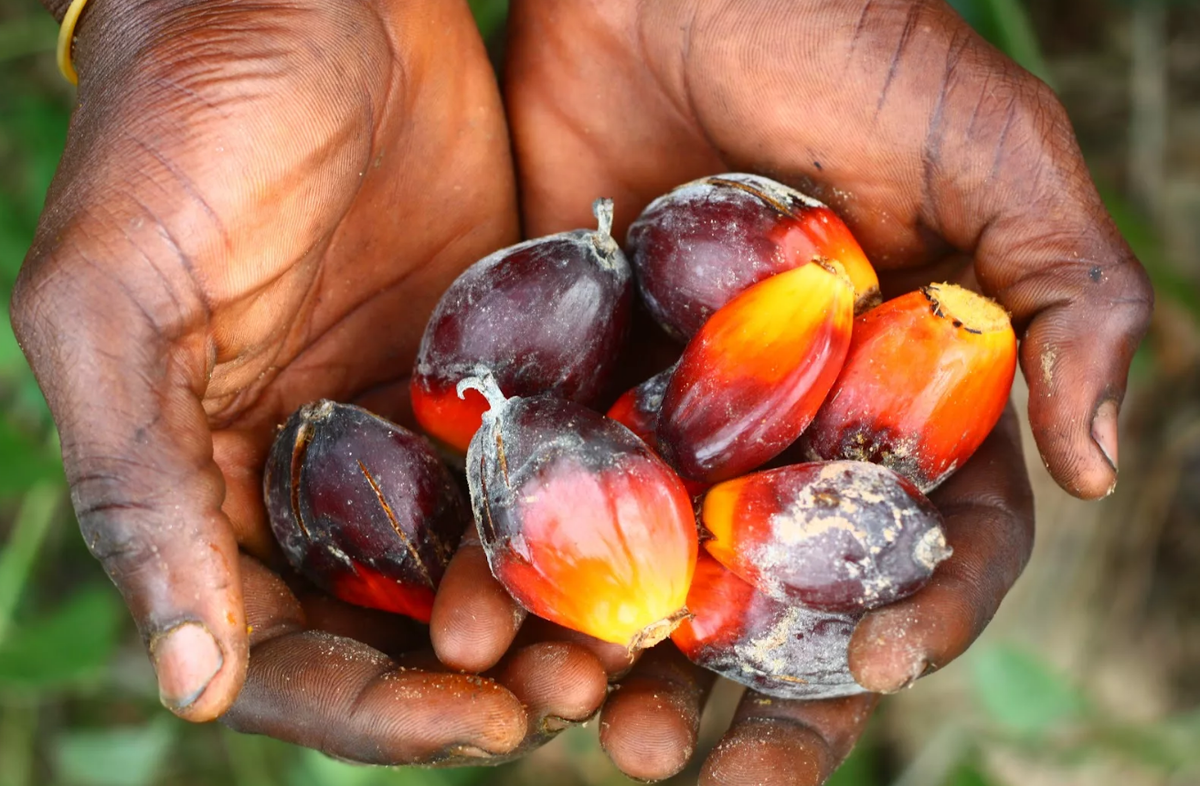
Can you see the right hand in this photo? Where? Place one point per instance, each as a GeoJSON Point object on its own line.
{"type": "Point", "coordinates": [259, 205]}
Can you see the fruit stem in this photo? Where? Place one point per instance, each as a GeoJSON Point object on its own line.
{"type": "Point", "coordinates": [484, 382]}
{"type": "Point", "coordinates": [932, 549]}
{"type": "Point", "coordinates": [966, 309]}
{"type": "Point", "coordinates": [602, 209]}
{"type": "Point", "coordinates": [657, 631]}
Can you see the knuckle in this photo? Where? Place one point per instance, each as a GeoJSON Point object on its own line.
{"type": "Point", "coordinates": [117, 535]}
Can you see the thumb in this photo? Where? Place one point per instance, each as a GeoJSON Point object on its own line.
{"type": "Point", "coordinates": [1049, 252]}
{"type": "Point", "coordinates": [115, 339]}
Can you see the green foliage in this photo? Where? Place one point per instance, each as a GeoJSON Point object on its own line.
{"type": "Point", "coordinates": [1006, 25]}
{"type": "Point", "coordinates": [24, 460]}
{"type": "Point", "coordinates": [969, 773]}
{"type": "Point", "coordinates": [315, 769]}
{"type": "Point", "coordinates": [64, 646]}
{"type": "Point", "coordinates": [115, 756]}
{"type": "Point", "coordinates": [489, 15]}
{"type": "Point", "coordinates": [1021, 693]}
{"type": "Point", "coordinates": [858, 769]}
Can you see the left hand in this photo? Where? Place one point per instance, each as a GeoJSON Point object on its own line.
{"type": "Point", "coordinates": [934, 147]}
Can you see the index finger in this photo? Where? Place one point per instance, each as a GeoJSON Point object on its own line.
{"type": "Point", "coordinates": [349, 700]}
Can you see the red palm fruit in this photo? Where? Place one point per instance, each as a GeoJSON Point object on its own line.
{"type": "Point", "coordinates": [546, 316]}
{"type": "Point", "coordinates": [836, 536]}
{"type": "Point", "coordinates": [581, 522]}
{"type": "Point", "coordinates": [697, 247]}
{"type": "Point", "coordinates": [362, 507]}
{"type": "Point", "coordinates": [927, 377]}
{"type": "Point", "coordinates": [785, 651]}
{"type": "Point", "coordinates": [754, 376]}
{"type": "Point", "coordinates": [637, 410]}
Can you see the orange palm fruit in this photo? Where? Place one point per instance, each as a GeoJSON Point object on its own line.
{"type": "Point", "coordinates": [549, 315]}
{"type": "Point", "coordinates": [779, 649]}
{"type": "Point", "coordinates": [581, 522]}
{"type": "Point", "coordinates": [750, 381]}
{"type": "Point", "coordinates": [697, 247]}
{"type": "Point", "coordinates": [927, 377]}
{"type": "Point", "coordinates": [836, 536]}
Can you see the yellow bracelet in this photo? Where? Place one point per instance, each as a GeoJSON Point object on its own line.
{"type": "Point", "coordinates": [66, 37]}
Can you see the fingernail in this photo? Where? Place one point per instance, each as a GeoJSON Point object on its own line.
{"type": "Point", "coordinates": [467, 752]}
{"type": "Point", "coordinates": [1104, 431]}
{"type": "Point", "coordinates": [186, 659]}
{"type": "Point", "coordinates": [919, 670]}
{"type": "Point", "coordinates": [553, 724]}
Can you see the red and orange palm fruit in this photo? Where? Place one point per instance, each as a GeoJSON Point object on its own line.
{"type": "Point", "coordinates": [750, 381]}
{"type": "Point", "coordinates": [549, 315]}
{"type": "Point", "coordinates": [637, 410]}
{"type": "Point", "coordinates": [697, 247]}
{"type": "Point", "coordinates": [363, 508]}
{"type": "Point", "coordinates": [837, 536]}
{"type": "Point", "coordinates": [926, 379]}
{"type": "Point", "coordinates": [581, 522]}
{"type": "Point", "coordinates": [782, 650]}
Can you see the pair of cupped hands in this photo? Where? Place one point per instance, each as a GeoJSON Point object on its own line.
{"type": "Point", "coordinates": [260, 203]}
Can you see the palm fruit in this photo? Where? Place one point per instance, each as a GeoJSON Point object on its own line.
{"type": "Point", "coordinates": [362, 507]}
{"type": "Point", "coordinates": [781, 650]}
{"type": "Point", "coordinates": [750, 381]}
{"type": "Point", "coordinates": [581, 522]}
{"type": "Point", "coordinates": [697, 247]}
{"type": "Point", "coordinates": [545, 316]}
{"type": "Point", "coordinates": [837, 536]}
{"type": "Point", "coordinates": [926, 379]}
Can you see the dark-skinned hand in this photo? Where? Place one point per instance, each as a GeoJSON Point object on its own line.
{"type": "Point", "coordinates": [259, 205]}
{"type": "Point", "coordinates": [935, 148]}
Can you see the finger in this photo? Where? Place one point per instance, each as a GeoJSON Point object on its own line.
{"type": "Point", "coordinates": [775, 742]}
{"type": "Point", "coordinates": [615, 659]}
{"type": "Point", "coordinates": [138, 455]}
{"type": "Point", "coordinates": [241, 455]}
{"type": "Point", "coordinates": [560, 684]}
{"type": "Point", "coordinates": [392, 634]}
{"type": "Point", "coordinates": [1049, 252]}
{"type": "Point", "coordinates": [988, 508]}
{"type": "Point", "coordinates": [351, 701]}
{"type": "Point", "coordinates": [650, 723]}
{"type": "Point", "coordinates": [474, 619]}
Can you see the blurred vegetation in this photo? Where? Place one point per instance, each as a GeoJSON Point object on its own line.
{"type": "Point", "coordinates": [77, 699]}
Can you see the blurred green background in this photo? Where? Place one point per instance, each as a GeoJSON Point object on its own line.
{"type": "Point", "coordinates": [1090, 674]}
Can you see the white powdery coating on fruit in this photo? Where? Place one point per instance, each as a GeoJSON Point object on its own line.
{"type": "Point", "coordinates": [815, 516]}
{"type": "Point", "coordinates": [793, 657]}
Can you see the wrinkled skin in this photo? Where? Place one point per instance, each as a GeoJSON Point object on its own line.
{"type": "Point", "coordinates": [258, 206]}
{"type": "Point", "coordinates": [212, 254]}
